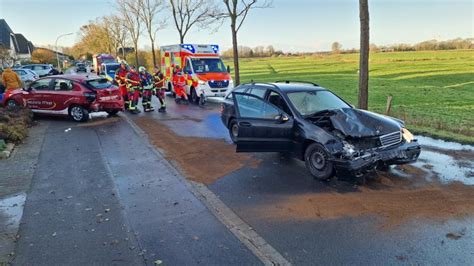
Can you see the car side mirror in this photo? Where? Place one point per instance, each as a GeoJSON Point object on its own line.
{"type": "Point", "coordinates": [228, 69]}
{"type": "Point", "coordinates": [282, 118]}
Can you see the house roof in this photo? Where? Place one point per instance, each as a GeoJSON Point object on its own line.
{"type": "Point", "coordinates": [5, 34]}
{"type": "Point", "coordinates": [24, 46]}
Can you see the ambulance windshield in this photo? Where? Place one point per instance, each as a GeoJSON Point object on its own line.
{"type": "Point", "coordinates": [208, 65]}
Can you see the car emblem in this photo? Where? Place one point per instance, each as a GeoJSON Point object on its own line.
{"type": "Point", "coordinates": [219, 84]}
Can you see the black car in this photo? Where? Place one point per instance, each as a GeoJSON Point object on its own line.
{"type": "Point", "coordinates": [316, 126]}
{"type": "Point", "coordinates": [80, 67]}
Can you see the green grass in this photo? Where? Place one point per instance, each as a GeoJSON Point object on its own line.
{"type": "Point", "coordinates": [433, 91]}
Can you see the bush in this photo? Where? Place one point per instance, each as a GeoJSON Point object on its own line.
{"type": "Point", "coordinates": [14, 124]}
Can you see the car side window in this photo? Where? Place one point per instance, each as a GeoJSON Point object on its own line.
{"type": "Point", "coordinates": [62, 85]}
{"type": "Point", "coordinates": [260, 92]}
{"type": "Point", "coordinates": [240, 89]}
{"type": "Point", "coordinates": [276, 99]}
{"type": "Point", "coordinates": [187, 68]}
{"type": "Point", "coordinates": [250, 106]}
{"type": "Point", "coordinates": [41, 85]}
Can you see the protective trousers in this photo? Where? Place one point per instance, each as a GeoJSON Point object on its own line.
{"type": "Point", "coordinates": [146, 100]}
{"type": "Point", "coordinates": [133, 97]}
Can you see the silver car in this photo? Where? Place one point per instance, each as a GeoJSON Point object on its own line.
{"type": "Point", "coordinates": [26, 76]}
{"type": "Point", "coordinates": [40, 69]}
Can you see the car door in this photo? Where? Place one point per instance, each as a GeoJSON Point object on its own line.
{"type": "Point", "coordinates": [61, 94]}
{"type": "Point", "coordinates": [262, 127]}
{"type": "Point", "coordinates": [34, 97]}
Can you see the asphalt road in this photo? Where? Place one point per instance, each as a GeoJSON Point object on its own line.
{"type": "Point", "coordinates": [273, 199]}
{"type": "Point", "coordinates": [100, 194]}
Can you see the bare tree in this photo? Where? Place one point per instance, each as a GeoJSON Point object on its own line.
{"type": "Point", "coordinates": [118, 33]}
{"type": "Point", "coordinates": [149, 11]}
{"type": "Point", "coordinates": [237, 11]}
{"type": "Point", "coordinates": [128, 10]}
{"type": "Point", "coordinates": [336, 47]}
{"type": "Point", "coordinates": [187, 13]}
{"type": "Point", "coordinates": [364, 55]}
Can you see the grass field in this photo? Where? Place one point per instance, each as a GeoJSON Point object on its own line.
{"type": "Point", "coordinates": [433, 91]}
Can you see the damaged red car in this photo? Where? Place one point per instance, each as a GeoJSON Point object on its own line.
{"type": "Point", "coordinates": [68, 95]}
{"type": "Point", "coordinates": [317, 126]}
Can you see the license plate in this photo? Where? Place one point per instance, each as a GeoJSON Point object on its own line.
{"type": "Point", "coordinates": [108, 98]}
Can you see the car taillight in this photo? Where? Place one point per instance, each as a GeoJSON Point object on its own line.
{"type": "Point", "coordinates": [90, 96]}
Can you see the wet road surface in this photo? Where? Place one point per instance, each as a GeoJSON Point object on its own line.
{"type": "Point", "coordinates": [100, 195]}
{"type": "Point", "coordinates": [418, 214]}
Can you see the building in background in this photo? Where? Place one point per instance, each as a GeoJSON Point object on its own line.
{"type": "Point", "coordinates": [14, 47]}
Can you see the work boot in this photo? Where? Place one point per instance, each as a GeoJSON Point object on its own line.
{"type": "Point", "coordinates": [162, 109]}
{"type": "Point", "coordinates": [186, 102]}
{"type": "Point", "coordinates": [135, 111]}
{"type": "Point", "coordinates": [177, 100]}
{"type": "Point", "coordinates": [151, 109]}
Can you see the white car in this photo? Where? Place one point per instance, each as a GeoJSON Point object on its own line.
{"type": "Point", "coordinates": [26, 76]}
{"type": "Point", "coordinates": [40, 69]}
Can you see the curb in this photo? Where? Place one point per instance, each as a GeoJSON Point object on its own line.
{"type": "Point", "coordinates": [239, 228]}
{"type": "Point", "coordinates": [5, 154]}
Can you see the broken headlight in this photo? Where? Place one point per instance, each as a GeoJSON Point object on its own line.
{"type": "Point", "coordinates": [348, 149]}
{"type": "Point", "coordinates": [407, 135]}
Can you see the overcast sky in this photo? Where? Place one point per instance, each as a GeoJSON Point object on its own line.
{"type": "Point", "coordinates": [290, 25]}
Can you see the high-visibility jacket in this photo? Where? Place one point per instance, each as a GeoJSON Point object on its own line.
{"type": "Point", "coordinates": [179, 80]}
{"type": "Point", "coordinates": [159, 80]}
{"type": "Point", "coordinates": [121, 76]}
{"type": "Point", "coordinates": [147, 80]}
{"type": "Point", "coordinates": [133, 80]}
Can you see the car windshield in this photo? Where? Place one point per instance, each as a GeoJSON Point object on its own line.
{"type": "Point", "coordinates": [208, 65]}
{"type": "Point", "coordinates": [111, 68]}
{"type": "Point", "coordinates": [311, 102]}
{"type": "Point", "coordinates": [99, 83]}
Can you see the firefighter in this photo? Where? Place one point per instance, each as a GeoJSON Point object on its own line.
{"type": "Point", "coordinates": [148, 88]}
{"type": "Point", "coordinates": [179, 84]}
{"type": "Point", "coordinates": [120, 79]}
{"type": "Point", "coordinates": [133, 88]}
{"type": "Point", "coordinates": [159, 82]}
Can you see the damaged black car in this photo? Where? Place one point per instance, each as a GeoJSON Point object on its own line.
{"type": "Point", "coordinates": [317, 126]}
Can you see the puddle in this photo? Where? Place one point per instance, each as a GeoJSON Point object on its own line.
{"type": "Point", "coordinates": [11, 210]}
{"type": "Point", "coordinates": [447, 161]}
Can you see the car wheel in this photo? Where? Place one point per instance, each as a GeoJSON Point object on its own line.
{"type": "Point", "coordinates": [112, 112]}
{"type": "Point", "coordinates": [78, 113]}
{"type": "Point", "coordinates": [316, 160]}
{"type": "Point", "coordinates": [233, 131]}
{"type": "Point", "coordinates": [12, 104]}
{"type": "Point", "coordinates": [194, 98]}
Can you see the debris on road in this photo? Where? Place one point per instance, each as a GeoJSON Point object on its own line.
{"type": "Point", "coordinates": [456, 235]}
{"type": "Point", "coordinates": [187, 152]}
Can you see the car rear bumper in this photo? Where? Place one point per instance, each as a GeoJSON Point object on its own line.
{"type": "Point", "coordinates": [117, 105]}
{"type": "Point", "coordinates": [405, 153]}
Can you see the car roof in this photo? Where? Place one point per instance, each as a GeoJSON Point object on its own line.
{"type": "Point", "coordinates": [285, 86]}
{"type": "Point", "coordinates": [77, 78]}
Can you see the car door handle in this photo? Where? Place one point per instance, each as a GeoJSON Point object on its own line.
{"type": "Point", "coordinates": [245, 124]}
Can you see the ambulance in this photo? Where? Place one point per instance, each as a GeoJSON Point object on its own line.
{"type": "Point", "coordinates": [203, 69]}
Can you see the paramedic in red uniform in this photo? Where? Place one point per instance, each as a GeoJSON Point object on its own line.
{"type": "Point", "coordinates": [179, 83]}
{"type": "Point", "coordinates": [120, 79]}
{"type": "Point", "coordinates": [159, 82]}
{"type": "Point", "coordinates": [134, 87]}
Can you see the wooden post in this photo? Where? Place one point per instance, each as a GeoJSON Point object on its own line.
{"type": "Point", "coordinates": [389, 105]}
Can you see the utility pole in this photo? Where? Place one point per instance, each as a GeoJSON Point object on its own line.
{"type": "Point", "coordinates": [57, 52]}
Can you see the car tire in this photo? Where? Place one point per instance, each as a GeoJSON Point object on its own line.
{"type": "Point", "coordinates": [12, 104]}
{"type": "Point", "coordinates": [194, 98]}
{"type": "Point", "coordinates": [233, 130]}
{"type": "Point", "coordinates": [78, 113]}
{"type": "Point", "coordinates": [316, 160]}
{"type": "Point", "coordinates": [112, 112]}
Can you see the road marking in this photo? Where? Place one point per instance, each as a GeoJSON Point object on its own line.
{"type": "Point", "coordinates": [244, 233]}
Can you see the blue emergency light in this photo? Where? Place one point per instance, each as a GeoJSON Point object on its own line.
{"type": "Point", "coordinates": [188, 47]}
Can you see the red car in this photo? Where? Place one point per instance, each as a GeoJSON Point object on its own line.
{"type": "Point", "coordinates": [69, 95]}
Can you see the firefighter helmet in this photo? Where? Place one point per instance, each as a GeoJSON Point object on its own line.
{"type": "Point", "coordinates": [142, 69]}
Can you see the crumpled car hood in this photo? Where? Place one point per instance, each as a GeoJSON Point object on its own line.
{"type": "Point", "coordinates": [359, 123]}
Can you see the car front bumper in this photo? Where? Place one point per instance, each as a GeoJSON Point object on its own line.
{"type": "Point", "coordinates": [402, 154]}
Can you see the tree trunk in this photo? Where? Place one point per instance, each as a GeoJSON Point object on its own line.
{"type": "Point", "coordinates": [364, 55]}
{"type": "Point", "coordinates": [153, 52]}
{"type": "Point", "coordinates": [136, 56]}
{"type": "Point", "coordinates": [181, 38]}
{"type": "Point", "coordinates": [236, 56]}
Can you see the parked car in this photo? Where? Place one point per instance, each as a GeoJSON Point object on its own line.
{"type": "Point", "coordinates": [316, 126]}
{"type": "Point", "coordinates": [81, 67]}
{"type": "Point", "coordinates": [69, 95]}
{"type": "Point", "coordinates": [27, 76]}
{"type": "Point", "coordinates": [41, 69]}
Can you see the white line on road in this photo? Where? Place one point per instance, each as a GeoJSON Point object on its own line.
{"type": "Point", "coordinates": [246, 235]}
